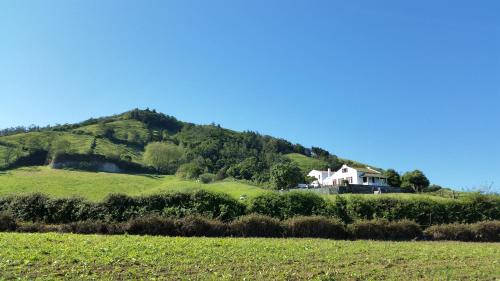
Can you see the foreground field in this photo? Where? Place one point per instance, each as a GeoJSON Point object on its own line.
{"type": "Point", "coordinates": [95, 186]}
{"type": "Point", "coordinates": [69, 256]}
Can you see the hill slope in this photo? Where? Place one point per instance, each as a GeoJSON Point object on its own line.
{"type": "Point", "coordinates": [124, 137]}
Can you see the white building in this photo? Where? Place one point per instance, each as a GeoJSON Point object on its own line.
{"type": "Point", "coordinates": [359, 176]}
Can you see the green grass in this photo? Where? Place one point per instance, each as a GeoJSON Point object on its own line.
{"type": "Point", "coordinates": [123, 130]}
{"type": "Point", "coordinates": [89, 257]}
{"type": "Point", "coordinates": [95, 186]}
{"type": "Point", "coordinates": [306, 164]}
{"type": "Point", "coordinates": [79, 143]}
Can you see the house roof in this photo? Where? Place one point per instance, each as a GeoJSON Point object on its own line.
{"type": "Point", "coordinates": [373, 175]}
{"type": "Point", "coordinates": [367, 170]}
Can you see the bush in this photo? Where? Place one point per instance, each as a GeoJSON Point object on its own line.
{"type": "Point", "coordinates": [315, 226]}
{"type": "Point", "coordinates": [384, 230]}
{"type": "Point", "coordinates": [206, 178]}
{"type": "Point", "coordinates": [487, 231]}
{"type": "Point", "coordinates": [65, 210]}
{"type": "Point", "coordinates": [95, 227]}
{"type": "Point", "coordinates": [37, 227]}
{"type": "Point", "coordinates": [152, 225]}
{"type": "Point", "coordinates": [7, 222]}
{"type": "Point", "coordinates": [288, 205]}
{"type": "Point", "coordinates": [119, 207]}
{"type": "Point", "coordinates": [216, 205]}
{"type": "Point", "coordinates": [200, 226]}
{"type": "Point", "coordinates": [189, 170]}
{"type": "Point", "coordinates": [455, 231]}
{"type": "Point", "coordinates": [31, 207]}
{"type": "Point", "coordinates": [255, 225]}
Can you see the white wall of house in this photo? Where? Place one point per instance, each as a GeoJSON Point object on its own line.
{"type": "Point", "coordinates": [349, 174]}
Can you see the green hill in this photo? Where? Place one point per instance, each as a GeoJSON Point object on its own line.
{"type": "Point", "coordinates": [208, 151]}
{"type": "Point", "coordinates": [241, 155]}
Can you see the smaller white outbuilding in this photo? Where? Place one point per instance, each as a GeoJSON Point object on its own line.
{"type": "Point", "coordinates": [346, 174]}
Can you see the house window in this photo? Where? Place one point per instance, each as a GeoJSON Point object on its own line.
{"type": "Point", "coordinates": [349, 179]}
{"type": "Point", "coordinates": [365, 179]}
{"type": "Point", "coordinates": [344, 170]}
{"type": "Point", "coordinates": [334, 182]}
{"type": "Point", "coordinates": [373, 180]}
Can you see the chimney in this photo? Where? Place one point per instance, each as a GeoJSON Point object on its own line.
{"type": "Point", "coordinates": [329, 172]}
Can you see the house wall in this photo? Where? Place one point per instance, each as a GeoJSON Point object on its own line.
{"type": "Point", "coordinates": [350, 173]}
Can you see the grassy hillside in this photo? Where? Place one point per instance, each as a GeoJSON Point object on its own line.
{"type": "Point", "coordinates": [95, 186]}
{"type": "Point", "coordinates": [125, 130]}
{"type": "Point", "coordinates": [79, 143]}
{"type": "Point", "coordinates": [88, 257]}
{"type": "Point", "coordinates": [306, 164]}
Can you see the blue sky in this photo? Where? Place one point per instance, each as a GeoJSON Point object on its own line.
{"type": "Point", "coordinates": [398, 84]}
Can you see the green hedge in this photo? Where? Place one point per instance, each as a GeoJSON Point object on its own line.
{"type": "Point", "coordinates": [119, 207]}
{"type": "Point", "coordinates": [424, 211]}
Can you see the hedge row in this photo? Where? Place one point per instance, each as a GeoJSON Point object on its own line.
{"type": "Point", "coordinates": [255, 225]}
{"type": "Point", "coordinates": [487, 231]}
{"type": "Point", "coordinates": [117, 207]}
{"type": "Point", "coordinates": [424, 211]}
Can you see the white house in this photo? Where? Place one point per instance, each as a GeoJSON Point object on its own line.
{"type": "Point", "coordinates": [359, 176]}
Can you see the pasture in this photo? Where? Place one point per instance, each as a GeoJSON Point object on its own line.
{"type": "Point", "coordinates": [96, 186]}
{"type": "Point", "coordinates": [85, 257]}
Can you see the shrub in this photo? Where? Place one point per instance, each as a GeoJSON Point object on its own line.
{"type": "Point", "coordinates": [487, 231]}
{"type": "Point", "coordinates": [31, 207]}
{"type": "Point", "coordinates": [189, 170]}
{"type": "Point", "coordinates": [152, 225]}
{"type": "Point", "coordinates": [200, 226]}
{"type": "Point", "coordinates": [7, 222]}
{"type": "Point", "coordinates": [206, 178]}
{"type": "Point", "coordinates": [288, 205]}
{"type": "Point", "coordinates": [37, 227]}
{"type": "Point", "coordinates": [95, 227]}
{"type": "Point", "coordinates": [255, 225]}
{"type": "Point", "coordinates": [216, 205]}
{"type": "Point", "coordinates": [384, 230]}
{"type": "Point", "coordinates": [269, 204]}
{"type": "Point", "coordinates": [315, 226]}
{"type": "Point", "coordinates": [65, 210]}
{"type": "Point", "coordinates": [119, 207]}
{"type": "Point", "coordinates": [455, 231]}
{"type": "Point", "coordinates": [403, 230]}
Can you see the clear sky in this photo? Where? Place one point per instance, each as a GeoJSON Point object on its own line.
{"type": "Point", "coordinates": [397, 84]}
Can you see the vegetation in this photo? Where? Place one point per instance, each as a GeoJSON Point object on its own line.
{"type": "Point", "coordinates": [393, 178]}
{"type": "Point", "coordinates": [120, 207]}
{"type": "Point", "coordinates": [164, 157]}
{"type": "Point", "coordinates": [149, 138]}
{"type": "Point", "coordinates": [96, 186]}
{"type": "Point", "coordinates": [286, 176]}
{"type": "Point", "coordinates": [71, 256]}
{"type": "Point", "coordinates": [414, 181]}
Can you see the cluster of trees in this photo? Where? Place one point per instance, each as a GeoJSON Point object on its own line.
{"type": "Point", "coordinates": [412, 181]}
{"type": "Point", "coordinates": [22, 129]}
{"type": "Point", "coordinates": [222, 153]}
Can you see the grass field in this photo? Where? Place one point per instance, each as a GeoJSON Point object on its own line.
{"type": "Point", "coordinates": [95, 186]}
{"type": "Point", "coordinates": [78, 143]}
{"type": "Point", "coordinates": [306, 164]}
{"type": "Point", "coordinates": [84, 257]}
